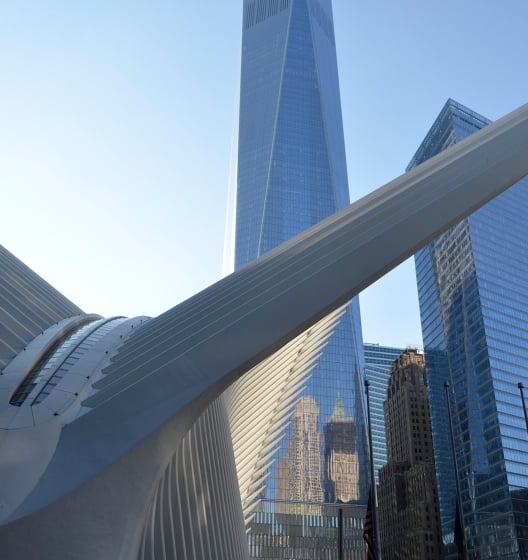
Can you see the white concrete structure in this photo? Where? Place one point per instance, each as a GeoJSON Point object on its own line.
{"type": "Point", "coordinates": [104, 451]}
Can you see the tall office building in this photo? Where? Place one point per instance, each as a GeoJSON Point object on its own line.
{"type": "Point", "coordinates": [379, 361]}
{"type": "Point", "coordinates": [474, 309]}
{"type": "Point", "coordinates": [408, 503]}
{"type": "Point", "coordinates": [292, 174]}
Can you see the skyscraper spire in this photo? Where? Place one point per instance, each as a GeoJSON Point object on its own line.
{"type": "Point", "coordinates": [338, 414]}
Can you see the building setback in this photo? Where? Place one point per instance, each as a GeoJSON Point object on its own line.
{"type": "Point", "coordinates": [474, 310]}
{"type": "Point", "coordinates": [408, 504]}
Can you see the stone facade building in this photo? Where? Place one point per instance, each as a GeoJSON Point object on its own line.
{"type": "Point", "coordinates": [408, 500]}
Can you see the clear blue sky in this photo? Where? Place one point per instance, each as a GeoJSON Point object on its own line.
{"type": "Point", "coordinates": [117, 121]}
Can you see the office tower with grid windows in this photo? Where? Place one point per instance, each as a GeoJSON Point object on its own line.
{"type": "Point", "coordinates": [379, 361]}
{"type": "Point", "coordinates": [474, 309]}
{"type": "Point", "coordinates": [292, 174]}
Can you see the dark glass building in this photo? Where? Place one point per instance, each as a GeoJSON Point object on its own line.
{"type": "Point", "coordinates": [292, 174]}
{"type": "Point", "coordinates": [473, 297]}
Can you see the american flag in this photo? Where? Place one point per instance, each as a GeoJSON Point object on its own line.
{"type": "Point", "coordinates": [368, 532]}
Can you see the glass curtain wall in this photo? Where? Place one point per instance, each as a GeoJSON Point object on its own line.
{"type": "Point", "coordinates": [292, 174]}
{"type": "Point", "coordinates": [474, 309]}
{"type": "Point", "coordinates": [379, 361]}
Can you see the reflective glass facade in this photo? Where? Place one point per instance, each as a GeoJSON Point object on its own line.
{"type": "Point", "coordinates": [379, 361]}
{"type": "Point", "coordinates": [473, 293]}
{"type": "Point", "coordinates": [292, 174]}
{"type": "Point", "coordinates": [315, 536]}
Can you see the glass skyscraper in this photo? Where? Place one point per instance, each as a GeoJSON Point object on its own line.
{"type": "Point", "coordinates": [292, 174]}
{"type": "Point", "coordinates": [379, 361]}
{"type": "Point", "coordinates": [473, 293]}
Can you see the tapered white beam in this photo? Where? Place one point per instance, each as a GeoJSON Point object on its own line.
{"type": "Point", "coordinates": [239, 321]}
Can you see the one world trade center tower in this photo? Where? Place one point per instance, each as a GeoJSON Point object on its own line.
{"type": "Point", "coordinates": [298, 423]}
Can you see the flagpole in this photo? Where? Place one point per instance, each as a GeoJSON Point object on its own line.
{"type": "Point", "coordinates": [340, 534]}
{"type": "Point", "coordinates": [373, 497]}
{"type": "Point", "coordinates": [457, 479]}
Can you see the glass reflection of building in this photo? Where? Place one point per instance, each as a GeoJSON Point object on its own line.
{"type": "Point", "coordinates": [341, 467]}
{"type": "Point", "coordinates": [299, 470]}
{"type": "Point", "coordinates": [379, 361]}
{"type": "Point", "coordinates": [292, 174]}
{"type": "Point", "coordinates": [474, 307]}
